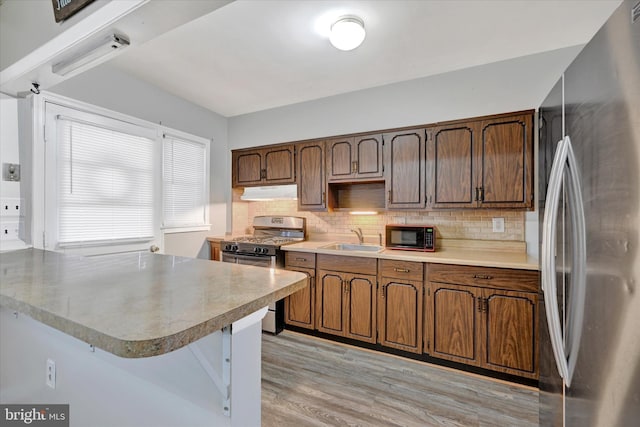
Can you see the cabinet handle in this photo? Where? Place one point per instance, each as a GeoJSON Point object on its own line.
{"type": "Point", "coordinates": [481, 194]}
{"type": "Point", "coordinates": [263, 173]}
{"type": "Point", "coordinates": [301, 259]}
{"type": "Point", "coordinates": [479, 304]}
{"type": "Point", "coordinates": [354, 167]}
{"type": "Point", "coordinates": [477, 194]}
{"type": "Point", "coordinates": [389, 196]}
{"type": "Point", "coordinates": [482, 276]}
{"type": "Point", "coordinates": [401, 270]}
{"type": "Point", "coordinates": [324, 197]}
{"type": "Point", "coordinates": [384, 291]}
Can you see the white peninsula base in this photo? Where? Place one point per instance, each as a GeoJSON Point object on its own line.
{"type": "Point", "coordinates": [185, 387]}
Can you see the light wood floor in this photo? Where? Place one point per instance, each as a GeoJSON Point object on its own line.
{"type": "Point", "coordinates": [308, 381]}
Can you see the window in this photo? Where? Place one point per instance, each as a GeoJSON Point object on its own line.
{"type": "Point", "coordinates": [105, 184]}
{"type": "Point", "coordinates": [184, 188]}
{"type": "Point", "coordinates": [114, 183]}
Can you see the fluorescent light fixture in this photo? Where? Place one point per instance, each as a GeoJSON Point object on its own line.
{"type": "Point", "coordinates": [363, 213]}
{"type": "Point", "coordinates": [97, 51]}
{"type": "Point", "coordinates": [347, 33]}
{"type": "Point", "coordinates": [275, 192]}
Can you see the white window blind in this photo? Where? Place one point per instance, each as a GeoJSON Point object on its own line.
{"type": "Point", "coordinates": [105, 184]}
{"type": "Point", "coordinates": [184, 182]}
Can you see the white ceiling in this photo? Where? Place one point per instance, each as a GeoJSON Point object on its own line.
{"type": "Point", "coordinates": [253, 55]}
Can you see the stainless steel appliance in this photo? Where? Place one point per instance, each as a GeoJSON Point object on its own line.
{"type": "Point", "coordinates": [411, 237]}
{"type": "Point", "coordinates": [263, 249]}
{"type": "Point", "coordinates": [589, 174]}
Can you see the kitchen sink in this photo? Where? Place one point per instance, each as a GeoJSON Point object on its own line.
{"type": "Point", "coordinates": [352, 247]}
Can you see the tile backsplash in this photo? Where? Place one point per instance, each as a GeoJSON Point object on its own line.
{"type": "Point", "coordinates": [461, 224]}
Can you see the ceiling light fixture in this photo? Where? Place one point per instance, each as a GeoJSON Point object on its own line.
{"type": "Point", "coordinates": [347, 33]}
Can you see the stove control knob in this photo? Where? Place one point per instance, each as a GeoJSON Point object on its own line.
{"type": "Point", "coordinates": [234, 248]}
{"type": "Point", "coordinates": [227, 247]}
{"type": "Point", "coordinates": [265, 250]}
{"type": "Point", "coordinates": [256, 250]}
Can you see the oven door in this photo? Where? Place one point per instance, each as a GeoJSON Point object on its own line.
{"type": "Point", "coordinates": [270, 323]}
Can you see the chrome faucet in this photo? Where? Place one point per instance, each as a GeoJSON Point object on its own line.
{"type": "Point", "coordinates": [358, 232]}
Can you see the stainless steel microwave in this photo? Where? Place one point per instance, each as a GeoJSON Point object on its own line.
{"type": "Point", "coordinates": [411, 237]}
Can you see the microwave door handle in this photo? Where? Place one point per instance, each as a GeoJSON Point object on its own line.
{"type": "Point", "coordinates": [576, 303]}
{"type": "Point", "coordinates": [548, 262]}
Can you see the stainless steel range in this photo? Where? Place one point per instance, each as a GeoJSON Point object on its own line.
{"type": "Point", "coordinates": [263, 249]}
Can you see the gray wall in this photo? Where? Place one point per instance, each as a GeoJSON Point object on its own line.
{"type": "Point", "coordinates": [25, 25]}
{"type": "Point", "coordinates": [111, 88]}
{"type": "Point", "coordinates": [500, 87]}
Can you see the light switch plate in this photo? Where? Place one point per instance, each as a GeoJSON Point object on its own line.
{"type": "Point", "coordinates": [498, 225]}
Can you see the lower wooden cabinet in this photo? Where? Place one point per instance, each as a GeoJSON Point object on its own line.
{"type": "Point", "coordinates": [346, 297]}
{"type": "Point", "coordinates": [347, 305]}
{"type": "Point", "coordinates": [400, 310]}
{"type": "Point", "coordinates": [478, 316]}
{"type": "Point", "coordinates": [452, 333]}
{"type": "Point", "coordinates": [484, 326]}
{"type": "Point", "coordinates": [214, 247]}
{"type": "Point", "coordinates": [300, 307]}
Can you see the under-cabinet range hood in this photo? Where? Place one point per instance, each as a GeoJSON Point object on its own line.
{"type": "Point", "coordinates": [275, 192]}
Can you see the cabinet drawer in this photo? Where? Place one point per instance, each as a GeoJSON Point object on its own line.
{"type": "Point", "coordinates": [501, 278]}
{"type": "Point", "coordinates": [299, 259]}
{"type": "Point", "coordinates": [347, 264]}
{"type": "Point", "coordinates": [401, 269]}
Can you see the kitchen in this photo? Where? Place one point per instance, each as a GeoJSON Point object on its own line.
{"type": "Point", "coordinates": [501, 85]}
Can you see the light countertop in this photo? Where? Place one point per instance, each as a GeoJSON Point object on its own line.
{"type": "Point", "coordinates": [478, 256]}
{"type": "Point", "coordinates": [137, 304]}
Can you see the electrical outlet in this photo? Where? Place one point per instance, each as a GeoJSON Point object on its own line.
{"type": "Point", "coordinates": [11, 207]}
{"type": "Point", "coordinates": [9, 231]}
{"type": "Point", "coordinates": [51, 373]}
{"type": "Point", "coordinates": [498, 225]}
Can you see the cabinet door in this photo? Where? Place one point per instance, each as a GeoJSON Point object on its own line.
{"type": "Point", "coordinates": [247, 168]}
{"type": "Point", "coordinates": [312, 185]}
{"type": "Point", "coordinates": [506, 174]}
{"type": "Point", "coordinates": [455, 323]}
{"type": "Point", "coordinates": [214, 250]}
{"type": "Point", "coordinates": [278, 165]}
{"type": "Point", "coordinates": [299, 307]}
{"type": "Point", "coordinates": [510, 331]}
{"type": "Point", "coordinates": [330, 307]}
{"type": "Point", "coordinates": [405, 169]}
{"type": "Point", "coordinates": [368, 151]}
{"type": "Point", "coordinates": [400, 315]}
{"type": "Point", "coordinates": [453, 152]}
{"type": "Point", "coordinates": [341, 159]}
{"type": "Point", "coordinates": [360, 306]}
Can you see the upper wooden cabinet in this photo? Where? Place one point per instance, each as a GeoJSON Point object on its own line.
{"type": "Point", "coordinates": [354, 158]}
{"type": "Point", "coordinates": [263, 166]}
{"type": "Point", "coordinates": [453, 153]}
{"type": "Point", "coordinates": [312, 183]}
{"type": "Point", "coordinates": [405, 169]}
{"type": "Point", "coordinates": [505, 174]}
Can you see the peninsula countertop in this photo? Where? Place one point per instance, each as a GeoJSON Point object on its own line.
{"type": "Point", "coordinates": [137, 304]}
{"type": "Point", "coordinates": [482, 255]}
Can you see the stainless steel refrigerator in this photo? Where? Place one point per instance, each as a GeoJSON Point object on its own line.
{"type": "Point", "coordinates": [589, 176]}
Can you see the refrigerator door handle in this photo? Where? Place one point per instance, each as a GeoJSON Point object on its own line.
{"type": "Point", "coordinates": [576, 302]}
{"type": "Point", "coordinates": [565, 353]}
{"type": "Point", "coordinates": [548, 262]}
